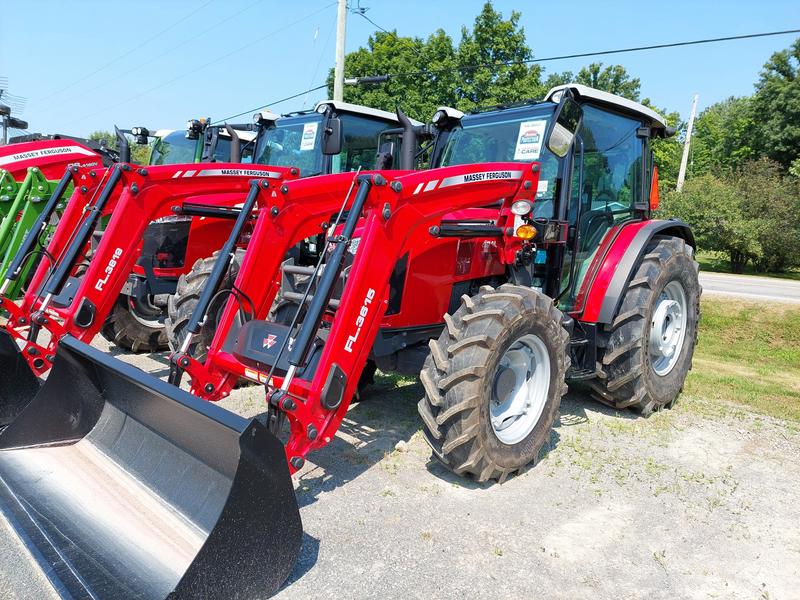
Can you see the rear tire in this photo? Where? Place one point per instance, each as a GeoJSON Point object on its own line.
{"type": "Point", "coordinates": [137, 333]}
{"type": "Point", "coordinates": [468, 379]}
{"type": "Point", "coordinates": [182, 303]}
{"type": "Point", "coordinates": [662, 299]}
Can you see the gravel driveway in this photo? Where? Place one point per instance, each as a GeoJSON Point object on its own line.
{"type": "Point", "coordinates": [702, 501]}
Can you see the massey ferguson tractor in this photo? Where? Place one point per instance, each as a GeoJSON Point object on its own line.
{"type": "Point", "coordinates": [526, 259]}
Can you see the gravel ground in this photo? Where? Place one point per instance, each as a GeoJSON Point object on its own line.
{"type": "Point", "coordinates": [697, 502]}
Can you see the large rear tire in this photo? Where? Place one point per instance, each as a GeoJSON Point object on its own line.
{"type": "Point", "coordinates": [646, 353]}
{"type": "Point", "coordinates": [494, 381]}
{"type": "Point", "coordinates": [182, 303]}
{"type": "Point", "coordinates": [133, 329]}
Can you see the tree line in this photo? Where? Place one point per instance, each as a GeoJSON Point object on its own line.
{"type": "Point", "coordinates": [743, 185]}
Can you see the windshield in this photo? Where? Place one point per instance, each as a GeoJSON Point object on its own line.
{"type": "Point", "coordinates": [515, 135]}
{"type": "Point", "coordinates": [292, 142]}
{"type": "Point", "coordinates": [173, 149]}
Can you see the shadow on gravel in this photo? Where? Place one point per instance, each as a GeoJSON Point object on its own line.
{"type": "Point", "coordinates": [309, 553]}
{"type": "Point", "coordinates": [386, 415]}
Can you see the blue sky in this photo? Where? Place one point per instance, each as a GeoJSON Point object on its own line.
{"type": "Point", "coordinates": [57, 53]}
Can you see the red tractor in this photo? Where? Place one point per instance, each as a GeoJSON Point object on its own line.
{"type": "Point", "coordinates": [510, 269]}
{"type": "Point", "coordinates": [621, 287]}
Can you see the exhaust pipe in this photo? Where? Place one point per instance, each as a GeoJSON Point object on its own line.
{"type": "Point", "coordinates": [124, 146]}
{"type": "Point", "coordinates": [127, 487]}
{"type": "Point", "coordinates": [408, 148]}
{"type": "Point", "coordinates": [236, 144]}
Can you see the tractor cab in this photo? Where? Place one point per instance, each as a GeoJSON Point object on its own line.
{"type": "Point", "coordinates": [334, 137]}
{"type": "Point", "coordinates": [199, 142]}
{"type": "Point", "coordinates": [586, 188]}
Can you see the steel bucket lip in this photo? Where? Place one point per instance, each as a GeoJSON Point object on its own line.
{"type": "Point", "coordinates": [259, 518]}
{"type": "Point", "coordinates": [18, 383]}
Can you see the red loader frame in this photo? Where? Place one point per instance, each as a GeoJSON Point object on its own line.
{"type": "Point", "coordinates": [134, 197]}
{"type": "Point", "coordinates": [395, 212]}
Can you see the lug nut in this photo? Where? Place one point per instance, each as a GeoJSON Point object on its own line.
{"type": "Point", "coordinates": [297, 462]}
{"type": "Point", "coordinates": [311, 432]}
{"type": "Point", "coordinates": [209, 388]}
{"type": "Point", "coordinates": [288, 404]}
{"type": "Point", "coordinates": [184, 362]}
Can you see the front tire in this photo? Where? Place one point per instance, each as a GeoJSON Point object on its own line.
{"type": "Point", "coordinates": [182, 304]}
{"type": "Point", "coordinates": [494, 381]}
{"type": "Point", "coordinates": [133, 330]}
{"type": "Point", "coordinates": [646, 353]}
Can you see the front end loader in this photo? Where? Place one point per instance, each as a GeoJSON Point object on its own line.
{"type": "Point", "coordinates": [594, 291]}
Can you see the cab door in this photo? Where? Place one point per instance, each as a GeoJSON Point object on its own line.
{"type": "Point", "coordinates": [606, 190]}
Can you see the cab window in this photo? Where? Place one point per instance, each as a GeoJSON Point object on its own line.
{"type": "Point", "coordinates": [610, 188]}
{"type": "Point", "coordinates": [360, 144]}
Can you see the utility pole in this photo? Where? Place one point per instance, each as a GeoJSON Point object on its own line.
{"type": "Point", "coordinates": [338, 75]}
{"type": "Point", "coordinates": [687, 141]}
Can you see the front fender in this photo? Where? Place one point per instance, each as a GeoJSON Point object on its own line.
{"type": "Point", "coordinates": [604, 290]}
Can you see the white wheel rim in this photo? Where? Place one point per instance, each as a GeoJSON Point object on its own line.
{"type": "Point", "coordinates": [520, 387]}
{"type": "Point", "coordinates": [668, 328]}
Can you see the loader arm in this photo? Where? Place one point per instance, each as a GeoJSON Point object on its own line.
{"type": "Point", "coordinates": [397, 206]}
{"type": "Point", "coordinates": [137, 197]}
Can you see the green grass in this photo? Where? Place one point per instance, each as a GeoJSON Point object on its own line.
{"type": "Point", "coordinates": [718, 262]}
{"type": "Point", "coordinates": [749, 354]}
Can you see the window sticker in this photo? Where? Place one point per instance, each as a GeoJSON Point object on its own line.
{"type": "Point", "coordinates": [541, 188]}
{"type": "Point", "coordinates": [309, 136]}
{"type": "Point", "coordinates": [529, 140]}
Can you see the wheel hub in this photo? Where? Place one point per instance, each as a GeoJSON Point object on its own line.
{"type": "Point", "coordinates": [520, 388]}
{"type": "Point", "coordinates": [668, 328]}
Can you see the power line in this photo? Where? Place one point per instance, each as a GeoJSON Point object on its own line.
{"type": "Point", "coordinates": [598, 53]}
{"type": "Point", "coordinates": [127, 53]}
{"type": "Point", "coordinates": [361, 14]}
{"type": "Point", "coordinates": [260, 106]}
{"type": "Point", "coordinates": [193, 71]}
{"type": "Point", "coordinates": [127, 72]}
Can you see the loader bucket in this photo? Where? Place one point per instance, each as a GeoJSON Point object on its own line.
{"type": "Point", "coordinates": [124, 486]}
{"type": "Point", "coordinates": [18, 384]}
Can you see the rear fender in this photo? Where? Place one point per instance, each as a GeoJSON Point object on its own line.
{"type": "Point", "coordinates": [604, 288]}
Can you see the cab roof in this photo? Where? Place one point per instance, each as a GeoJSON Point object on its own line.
{"type": "Point", "coordinates": [358, 109]}
{"type": "Point", "coordinates": [648, 115]}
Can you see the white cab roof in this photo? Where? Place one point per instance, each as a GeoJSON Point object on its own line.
{"type": "Point", "coordinates": [361, 110]}
{"type": "Point", "coordinates": [613, 100]}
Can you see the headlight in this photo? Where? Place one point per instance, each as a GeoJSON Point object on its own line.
{"type": "Point", "coordinates": [521, 207]}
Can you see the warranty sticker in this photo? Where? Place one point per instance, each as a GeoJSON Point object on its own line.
{"type": "Point", "coordinates": [529, 140]}
{"type": "Point", "coordinates": [309, 136]}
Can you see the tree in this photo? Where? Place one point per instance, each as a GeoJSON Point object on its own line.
{"type": "Point", "coordinates": [139, 154]}
{"type": "Point", "coordinates": [613, 79]}
{"type": "Point", "coordinates": [484, 79]}
{"type": "Point", "coordinates": [776, 106]}
{"type": "Point", "coordinates": [752, 213]}
{"type": "Point", "coordinates": [439, 73]}
{"type": "Point", "coordinates": [723, 136]}
{"type": "Point", "coordinates": [771, 202]}
{"type": "Point", "coordinates": [387, 53]}
{"type": "Point", "coordinates": [711, 206]}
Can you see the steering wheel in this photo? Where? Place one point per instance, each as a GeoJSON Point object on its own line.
{"type": "Point", "coordinates": [606, 196]}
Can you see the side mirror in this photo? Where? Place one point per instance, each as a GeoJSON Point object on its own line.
{"type": "Point", "coordinates": [566, 122]}
{"type": "Point", "coordinates": [332, 137]}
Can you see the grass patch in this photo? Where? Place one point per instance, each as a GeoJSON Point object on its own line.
{"type": "Point", "coordinates": [749, 354]}
{"type": "Point", "coordinates": [718, 262]}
